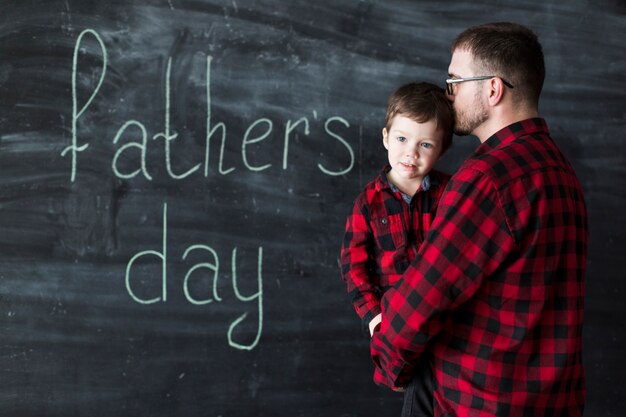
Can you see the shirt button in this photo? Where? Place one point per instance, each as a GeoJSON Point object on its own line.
{"type": "Point", "coordinates": [383, 221]}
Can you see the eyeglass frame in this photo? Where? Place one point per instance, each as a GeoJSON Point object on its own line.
{"type": "Point", "coordinates": [451, 81]}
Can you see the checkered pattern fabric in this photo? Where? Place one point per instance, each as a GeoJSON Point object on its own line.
{"type": "Point", "coordinates": [496, 291]}
{"type": "Point", "coordinates": [382, 235]}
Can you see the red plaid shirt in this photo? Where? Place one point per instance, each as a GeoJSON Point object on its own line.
{"type": "Point", "coordinates": [382, 237]}
{"type": "Point", "coordinates": [496, 292]}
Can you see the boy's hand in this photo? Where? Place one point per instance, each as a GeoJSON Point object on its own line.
{"type": "Point", "coordinates": [374, 323]}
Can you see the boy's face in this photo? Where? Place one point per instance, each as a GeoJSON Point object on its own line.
{"type": "Point", "coordinates": [413, 148]}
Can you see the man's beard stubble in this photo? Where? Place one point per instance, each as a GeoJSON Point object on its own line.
{"type": "Point", "coordinates": [467, 121]}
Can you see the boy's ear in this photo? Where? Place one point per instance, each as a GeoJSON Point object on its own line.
{"type": "Point", "coordinates": [385, 138]}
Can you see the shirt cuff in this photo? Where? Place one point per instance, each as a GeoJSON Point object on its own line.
{"type": "Point", "coordinates": [389, 370]}
{"type": "Point", "coordinates": [367, 314]}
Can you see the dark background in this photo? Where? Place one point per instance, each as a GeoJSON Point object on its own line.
{"type": "Point", "coordinates": [74, 342]}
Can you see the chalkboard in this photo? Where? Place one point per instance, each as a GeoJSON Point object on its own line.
{"type": "Point", "coordinates": [174, 181]}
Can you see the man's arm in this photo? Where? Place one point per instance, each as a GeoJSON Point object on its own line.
{"type": "Point", "coordinates": [468, 240]}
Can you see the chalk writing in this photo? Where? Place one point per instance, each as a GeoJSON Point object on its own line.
{"type": "Point", "coordinates": [74, 147]}
{"type": "Point", "coordinates": [213, 267]}
{"type": "Point", "coordinates": [259, 130]}
{"type": "Point", "coordinates": [130, 161]}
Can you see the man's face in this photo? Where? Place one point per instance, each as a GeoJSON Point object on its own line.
{"type": "Point", "coordinates": [468, 102]}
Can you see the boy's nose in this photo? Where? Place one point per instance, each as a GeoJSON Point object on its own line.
{"type": "Point", "coordinates": [413, 154]}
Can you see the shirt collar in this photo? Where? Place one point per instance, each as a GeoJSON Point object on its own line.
{"type": "Point", "coordinates": [427, 182]}
{"type": "Point", "coordinates": [512, 132]}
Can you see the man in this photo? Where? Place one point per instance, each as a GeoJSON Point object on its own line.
{"type": "Point", "coordinates": [494, 300]}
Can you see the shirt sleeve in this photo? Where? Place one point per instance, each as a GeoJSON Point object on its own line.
{"type": "Point", "coordinates": [468, 241]}
{"type": "Point", "coordinates": [358, 243]}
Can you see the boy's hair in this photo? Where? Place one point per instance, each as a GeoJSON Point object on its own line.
{"type": "Point", "coordinates": [510, 51]}
{"type": "Point", "coordinates": [422, 102]}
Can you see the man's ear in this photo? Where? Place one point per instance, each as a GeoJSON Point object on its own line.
{"type": "Point", "coordinates": [496, 91]}
{"type": "Point", "coordinates": [385, 138]}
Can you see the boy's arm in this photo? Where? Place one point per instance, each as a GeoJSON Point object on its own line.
{"type": "Point", "coordinates": [356, 250]}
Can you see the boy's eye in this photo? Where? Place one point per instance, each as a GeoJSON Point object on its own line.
{"type": "Point", "coordinates": [401, 139]}
{"type": "Point", "coordinates": [427, 145]}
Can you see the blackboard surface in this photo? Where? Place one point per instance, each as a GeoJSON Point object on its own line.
{"type": "Point", "coordinates": [174, 180]}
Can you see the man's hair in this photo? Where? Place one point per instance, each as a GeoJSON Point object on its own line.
{"type": "Point", "coordinates": [422, 102]}
{"type": "Point", "coordinates": [510, 51]}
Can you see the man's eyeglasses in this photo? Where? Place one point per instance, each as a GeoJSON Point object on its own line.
{"type": "Point", "coordinates": [451, 81]}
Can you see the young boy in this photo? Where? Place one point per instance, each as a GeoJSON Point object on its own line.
{"type": "Point", "coordinates": [392, 215]}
